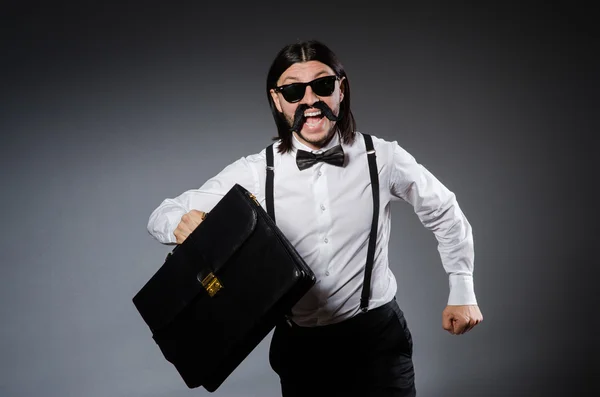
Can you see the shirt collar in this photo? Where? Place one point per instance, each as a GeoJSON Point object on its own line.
{"type": "Point", "coordinates": [296, 144]}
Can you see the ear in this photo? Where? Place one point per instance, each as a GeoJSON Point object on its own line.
{"type": "Point", "coordinates": [342, 88]}
{"type": "Point", "coordinates": [276, 100]}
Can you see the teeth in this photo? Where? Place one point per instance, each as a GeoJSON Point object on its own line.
{"type": "Point", "coordinates": [312, 114]}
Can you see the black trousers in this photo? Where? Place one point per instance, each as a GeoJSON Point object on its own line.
{"type": "Point", "coordinates": [367, 355]}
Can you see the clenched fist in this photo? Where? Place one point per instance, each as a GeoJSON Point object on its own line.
{"type": "Point", "coordinates": [189, 222]}
{"type": "Point", "coordinates": [460, 319]}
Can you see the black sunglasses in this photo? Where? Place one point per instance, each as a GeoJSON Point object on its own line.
{"type": "Point", "coordinates": [323, 86]}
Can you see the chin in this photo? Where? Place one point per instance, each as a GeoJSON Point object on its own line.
{"type": "Point", "coordinates": [317, 138]}
{"type": "Point", "coordinates": [314, 135]}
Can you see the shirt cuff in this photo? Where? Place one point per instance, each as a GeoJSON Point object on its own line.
{"type": "Point", "coordinates": [462, 291]}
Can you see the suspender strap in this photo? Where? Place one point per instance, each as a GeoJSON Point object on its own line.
{"type": "Point", "coordinates": [269, 184]}
{"type": "Point", "coordinates": [371, 156]}
{"type": "Point", "coordinates": [270, 202]}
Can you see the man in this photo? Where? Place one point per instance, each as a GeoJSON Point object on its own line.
{"type": "Point", "coordinates": [332, 347]}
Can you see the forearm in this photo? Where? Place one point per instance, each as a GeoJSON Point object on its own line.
{"type": "Point", "coordinates": [457, 255]}
{"type": "Point", "coordinates": [443, 216]}
{"type": "Point", "coordinates": [166, 217]}
{"type": "Point", "coordinates": [440, 213]}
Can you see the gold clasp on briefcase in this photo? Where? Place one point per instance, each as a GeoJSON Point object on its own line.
{"type": "Point", "coordinates": [253, 197]}
{"type": "Point", "coordinates": [212, 284]}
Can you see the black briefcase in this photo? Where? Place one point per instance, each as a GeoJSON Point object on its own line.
{"type": "Point", "coordinates": [220, 292]}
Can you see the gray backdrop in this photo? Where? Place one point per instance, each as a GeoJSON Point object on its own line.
{"type": "Point", "coordinates": [107, 110]}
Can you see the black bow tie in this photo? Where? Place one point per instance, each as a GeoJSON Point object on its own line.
{"type": "Point", "coordinates": [334, 156]}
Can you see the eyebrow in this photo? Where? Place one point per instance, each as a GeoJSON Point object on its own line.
{"type": "Point", "coordinates": [292, 78]}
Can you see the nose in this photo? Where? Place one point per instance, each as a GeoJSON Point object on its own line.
{"type": "Point", "coordinates": [309, 96]}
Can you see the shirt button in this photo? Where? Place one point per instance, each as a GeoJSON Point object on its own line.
{"type": "Point", "coordinates": [327, 273]}
{"type": "Point", "coordinates": [322, 207]}
{"type": "Point", "coordinates": [319, 173]}
{"type": "Point", "coordinates": [326, 240]}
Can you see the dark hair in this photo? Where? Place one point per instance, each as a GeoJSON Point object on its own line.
{"type": "Point", "coordinates": [305, 51]}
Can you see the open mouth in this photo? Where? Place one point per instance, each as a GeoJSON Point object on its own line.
{"type": "Point", "coordinates": [313, 118]}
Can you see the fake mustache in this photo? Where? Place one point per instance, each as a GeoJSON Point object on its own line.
{"type": "Point", "coordinates": [299, 118]}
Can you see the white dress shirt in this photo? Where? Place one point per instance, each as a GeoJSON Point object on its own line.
{"type": "Point", "coordinates": [326, 212]}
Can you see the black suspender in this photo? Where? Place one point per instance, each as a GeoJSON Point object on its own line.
{"type": "Point", "coordinates": [269, 184]}
{"type": "Point", "coordinates": [364, 299]}
{"type": "Point", "coordinates": [371, 156]}
{"type": "Point", "coordinates": [271, 202]}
